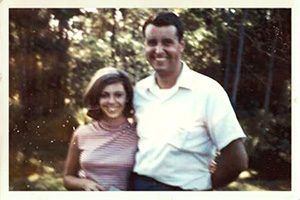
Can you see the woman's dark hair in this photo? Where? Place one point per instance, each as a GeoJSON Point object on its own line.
{"type": "Point", "coordinates": [166, 19]}
{"type": "Point", "coordinates": [99, 81]}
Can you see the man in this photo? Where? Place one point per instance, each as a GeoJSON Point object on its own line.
{"type": "Point", "coordinates": [183, 119]}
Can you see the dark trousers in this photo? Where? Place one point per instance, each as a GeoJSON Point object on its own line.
{"type": "Point", "coordinates": [144, 183]}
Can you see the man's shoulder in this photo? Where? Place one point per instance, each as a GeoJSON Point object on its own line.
{"type": "Point", "coordinates": [199, 80]}
{"type": "Point", "coordinates": [144, 83]}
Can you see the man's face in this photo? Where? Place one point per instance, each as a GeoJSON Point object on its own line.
{"type": "Point", "coordinates": [162, 49]}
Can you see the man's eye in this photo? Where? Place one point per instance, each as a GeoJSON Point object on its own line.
{"type": "Point", "coordinates": [168, 42]}
{"type": "Point", "coordinates": [151, 42]}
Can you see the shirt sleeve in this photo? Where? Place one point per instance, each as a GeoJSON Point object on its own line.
{"type": "Point", "coordinates": [222, 123]}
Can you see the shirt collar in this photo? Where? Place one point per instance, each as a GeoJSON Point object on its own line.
{"type": "Point", "coordinates": [183, 79]}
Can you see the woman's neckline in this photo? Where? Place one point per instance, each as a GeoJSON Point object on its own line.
{"type": "Point", "coordinates": [111, 126]}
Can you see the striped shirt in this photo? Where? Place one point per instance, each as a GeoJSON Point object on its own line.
{"type": "Point", "coordinates": [107, 157]}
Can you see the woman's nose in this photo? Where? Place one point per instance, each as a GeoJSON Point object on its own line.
{"type": "Point", "coordinates": [111, 99]}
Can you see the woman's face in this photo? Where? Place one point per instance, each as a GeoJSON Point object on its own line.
{"type": "Point", "coordinates": [112, 101]}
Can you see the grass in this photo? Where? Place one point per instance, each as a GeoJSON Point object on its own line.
{"type": "Point", "coordinates": [43, 172]}
{"type": "Point", "coordinates": [249, 181]}
{"type": "Point", "coordinates": [48, 177]}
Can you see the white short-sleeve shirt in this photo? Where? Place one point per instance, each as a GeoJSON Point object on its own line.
{"type": "Point", "coordinates": [181, 129]}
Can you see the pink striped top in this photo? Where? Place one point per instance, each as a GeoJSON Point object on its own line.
{"type": "Point", "coordinates": [106, 157]}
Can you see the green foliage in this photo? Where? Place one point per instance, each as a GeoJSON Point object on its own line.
{"type": "Point", "coordinates": [44, 177]}
{"type": "Point", "coordinates": [269, 143]}
{"type": "Point", "coordinates": [251, 183]}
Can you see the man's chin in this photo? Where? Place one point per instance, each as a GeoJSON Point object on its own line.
{"type": "Point", "coordinates": [159, 67]}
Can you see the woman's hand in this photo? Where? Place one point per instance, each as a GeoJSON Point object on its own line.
{"type": "Point", "coordinates": [212, 167]}
{"type": "Point", "coordinates": [89, 185]}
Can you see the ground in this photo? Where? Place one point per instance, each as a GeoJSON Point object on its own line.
{"type": "Point", "coordinates": [47, 176]}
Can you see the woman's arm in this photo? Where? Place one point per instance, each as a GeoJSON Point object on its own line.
{"type": "Point", "coordinates": [71, 180]}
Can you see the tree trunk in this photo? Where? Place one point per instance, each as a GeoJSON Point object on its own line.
{"type": "Point", "coordinates": [270, 81]}
{"type": "Point", "coordinates": [239, 60]}
{"type": "Point", "coordinates": [228, 52]}
{"type": "Point", "coordinates": [113, 39]}
{"type": "Point", "coordinates": [270, 75]}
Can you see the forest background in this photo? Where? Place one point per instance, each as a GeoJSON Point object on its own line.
{"type": "Point", "coordinates": [54, 52]}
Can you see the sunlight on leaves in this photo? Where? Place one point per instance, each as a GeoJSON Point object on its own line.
{"type": "Point", "coordinates": [81, 116]}
{"type": "Point", "coordinates": [34, 161]}
{"type": "Point", "coordinates": [20, 157]}
{"type": "Point", "coordinates": [48, 169]}
{"type": "Point", "coordinates": [247, 174]}
{"type": "Point", "coordinates": [33, 177]}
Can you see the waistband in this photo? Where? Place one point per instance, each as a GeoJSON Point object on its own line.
{"type": "Point", "coordinates": [145, 183]}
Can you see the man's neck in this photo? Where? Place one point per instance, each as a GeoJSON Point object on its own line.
{"type": "Point", "coordinates": [167, 81]}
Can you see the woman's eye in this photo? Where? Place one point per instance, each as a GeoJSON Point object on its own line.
{"type": "Point", "coordinates": [119, 95]}
{"type": "Point", "coordinates": [104, 95]}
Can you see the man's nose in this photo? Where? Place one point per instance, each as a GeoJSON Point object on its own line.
{"type": "Point", "coordinates": [159, 48]}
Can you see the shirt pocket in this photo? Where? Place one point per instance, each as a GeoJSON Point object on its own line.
{"type": "Point", "coordinates": [191, 137]}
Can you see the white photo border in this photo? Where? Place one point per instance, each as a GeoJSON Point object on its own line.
{"type": "Point", "coordinates": [5, 5]}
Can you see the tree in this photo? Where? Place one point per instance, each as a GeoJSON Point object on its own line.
{"type": "Point", "coordinates": [239, 58]}
{"type": "Point", "coordinates": [38, 118]}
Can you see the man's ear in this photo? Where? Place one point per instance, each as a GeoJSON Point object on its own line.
{"type": "Point", "coordinates": [182, 45]}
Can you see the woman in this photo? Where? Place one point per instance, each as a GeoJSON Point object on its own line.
{"type": "Point", "coordinates": [101, 153]}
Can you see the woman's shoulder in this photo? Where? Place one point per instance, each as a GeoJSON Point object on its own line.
{"type": "Point", "coordinates": [84, 129]}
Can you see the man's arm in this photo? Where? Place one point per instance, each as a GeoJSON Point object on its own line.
{"type": "Point", "coordinates": [232, 161]}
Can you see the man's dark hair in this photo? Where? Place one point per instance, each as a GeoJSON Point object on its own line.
{"type": "Point", "coordinates": [166, 19]}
